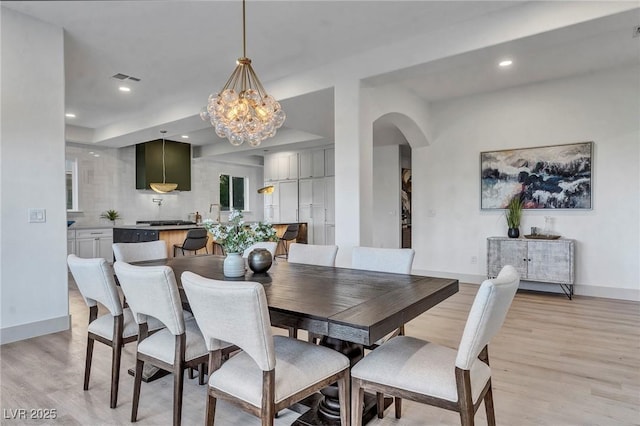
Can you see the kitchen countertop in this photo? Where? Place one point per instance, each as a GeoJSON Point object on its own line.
{"type": "Point", "coordinates": [91, 226]}
{"type": "Point", "coordinates": [158, 228]}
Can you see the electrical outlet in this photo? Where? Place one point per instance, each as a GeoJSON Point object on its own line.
{"type": "Point", "coordinates": [474, 260]}
{"type": "Point", "coordinates": [37, 215]}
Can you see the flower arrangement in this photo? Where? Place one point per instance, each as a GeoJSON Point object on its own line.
{"type": "Point", "coordinates": [235, 236]}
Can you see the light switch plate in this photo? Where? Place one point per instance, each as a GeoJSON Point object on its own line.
{"type": "Point", "coordinates": [37, 215]}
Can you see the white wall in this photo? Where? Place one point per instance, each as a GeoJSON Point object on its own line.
{"type": "Point", "coordinates": [386, 196]}
{"type": "Point", "coordinates": [602, 108]}
{"type": "Point", "coordinates": [109, 181]}
{"type": "Point", "coordinates": [33, 277]}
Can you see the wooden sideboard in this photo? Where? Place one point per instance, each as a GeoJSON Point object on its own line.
{"type": "Point", "coordinates": [549, 261]}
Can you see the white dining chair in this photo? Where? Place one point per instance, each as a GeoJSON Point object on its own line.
{"type": "Point", "coordinates": [271, 372]}
{"type": "Point", "coordinates": [269, 245]}
{"type": "Point", "coordinates": [311, 254]}
{"type": "Point", "coordinates": [138, 252]}
{"type": "Point", "coordinates": [116, 328]}
{"type": "Point", "coordinates": [431, 374]}
{"type": "Point", "coordinates": [152, 291]}
{"type": "Point", "coordinates": [394, 260]}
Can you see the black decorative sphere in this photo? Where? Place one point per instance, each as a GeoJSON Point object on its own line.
{"type": "Point", "coordinates": [259, 260]}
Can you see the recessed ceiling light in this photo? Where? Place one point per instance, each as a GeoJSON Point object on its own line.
{"type": "Point", "coordinates": [506, 63]}
{"type": "Point", "coordinates": [70, 115]}
{"type": "Point", "coordinates": [185, 136]}
{"type": "Point", "coordinates": [124, 89]}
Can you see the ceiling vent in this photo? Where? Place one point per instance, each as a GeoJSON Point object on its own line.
{"type": "Point", "coordinates": [123, 77]}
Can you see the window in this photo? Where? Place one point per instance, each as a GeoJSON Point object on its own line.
{"type": "Point", "coordinates": [232, 193]}
{"type": "Point", "coordinates": [71, 184]}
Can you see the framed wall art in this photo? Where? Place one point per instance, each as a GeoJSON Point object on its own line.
{"type": "Point", "coordinates": [546, 177]}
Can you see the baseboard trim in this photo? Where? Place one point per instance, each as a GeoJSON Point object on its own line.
{"type": "Point", "coordinates": [578, 289]}
{"type": "Point", "coordinates": [34, 329]}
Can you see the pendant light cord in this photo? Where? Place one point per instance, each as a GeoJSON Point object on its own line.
{"type": "Point", "coordinates": [244, 31]}
{"type": "Point", "coordinates": [164, 179]}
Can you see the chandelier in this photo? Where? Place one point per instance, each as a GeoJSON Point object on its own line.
{"type": "Point", "coordinates": [164, 187]}
{"type": "Point", "coordinates": [243, 111]}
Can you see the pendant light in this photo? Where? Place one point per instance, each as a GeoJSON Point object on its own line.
{"type": "Point", "coordinates": [164, 187]}
{"type": "Point", "coordinates": [243, 111]}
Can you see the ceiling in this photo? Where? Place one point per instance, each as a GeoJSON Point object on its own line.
{"type": "Point", "coordinates": [183, 50]}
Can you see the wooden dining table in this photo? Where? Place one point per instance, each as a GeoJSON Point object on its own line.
{"type": "Point", "coordinates": [352, 308]}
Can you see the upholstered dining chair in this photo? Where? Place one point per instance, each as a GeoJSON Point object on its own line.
{"type": "Point", "coordinates": [152, 291]}
{"type": "Point", "coordinates": [271, 372]}
{"type": "Point", "coordinates": [95, 281]}
{"type": "Point", "coordinates": [138, 252]}
{"type": "Point", "coordinates": [392, 260]}
{"type": "Point", "coordinates": [311, 254]}
{"type": "Point", "coordinates": [269, 245]}
{"type": "Point", "coordinates": [290, 234]}
{"type": "Point", "coordinates": [195, 240]}
{"type": "Point", "coordinates": [431, 374]}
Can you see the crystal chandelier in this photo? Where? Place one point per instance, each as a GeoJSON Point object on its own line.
{"type": "Point", "coordinates": [243, 111]}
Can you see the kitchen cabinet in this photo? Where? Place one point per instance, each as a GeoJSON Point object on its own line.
{"type": "Point", "coordinates": [71, 241]}
{"type": "Point", "coordinates": [280, 167]}
{"type": "Point", "coordinates": [312, 163]}
{"type": "Point", "coordinates": [288, 202]}
{"type": "Point", "coordinates": [550, 261]}
{"type": "Point", "coordinates": [329, 162]}
{"type": "Point", "coordinates": [312, 208]}
{"type": "Point", "coordinates": [272, 203]}
{"type": "Point", "coordinates": [91, 243]}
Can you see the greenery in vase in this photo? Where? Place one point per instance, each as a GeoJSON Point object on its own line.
{"type": "Point", "coordinates": [235, 236]}
{"type": "Point", "coordinates": [513, 214]}
{"type": "Point", "coordinates": [112, 215]}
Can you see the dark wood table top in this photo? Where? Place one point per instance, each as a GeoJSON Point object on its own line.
{"type": "Point", "coordinates": [347, 304]}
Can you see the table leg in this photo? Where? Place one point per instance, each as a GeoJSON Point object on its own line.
{"type": "Point", "coordinates": [325, 406]}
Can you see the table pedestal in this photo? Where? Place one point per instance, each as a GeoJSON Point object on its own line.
{"type": "Point", "coordinates": [324, 408]}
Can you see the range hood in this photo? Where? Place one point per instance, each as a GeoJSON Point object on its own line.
{"type": "Point", "coordinates": [177, 164]}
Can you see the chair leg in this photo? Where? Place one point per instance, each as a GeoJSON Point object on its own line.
{"type": "Point", "coordinates": [380, 404]}
{"type": "Point", "coordinates": [178, 384]}
{"type": "Point", "coordinates": [293, 332]}
{"type": "Point", "coordinates": [398, 406]}
{"type": "Point", "coordinates": [211, 410]}
{"type": "Point", "coordinates": [344, 395]}
{"type": "Point", "coordinates": [201, 380]}
{"type": "Point", "coordinates": [488, 405]}
{"type": "Point", "coordinates": [191, 373]}
{"type": "Point", "coordinates": [116, 356]}
{"type": "Point", "coordinates": [357, 399]}
{"type": "Point", "coordinates": [87, 366]}
{"type": "Point", "coordinates": [137, 381]}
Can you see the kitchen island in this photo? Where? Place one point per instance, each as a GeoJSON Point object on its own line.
{"type": "Point", "coordinates": [175, 234]}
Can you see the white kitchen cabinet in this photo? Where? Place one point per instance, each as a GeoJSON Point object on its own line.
{"type": "Point", "coordinates": [287, 166]}
{"type": "Point", "coordinates": [311, 163]}
{"type": "Point", "coordinates": [272, 204]}
{"type": "Point", "coordinates": [71, 241]}
{"type": "Point", "coordinates": [270, 168]}
{"type": "Point", "coordinates": [288, 201]}
{"type": "Point", "coordinates": [329, 162]}
{"type": "Point", "coordinates": [550, 261]}
{"type": "Point", "coordinates": [312, 209]}
{"type": "Point", "coordinates": [330, 234]}
{"type": "Point", "coordinates": [330, 199]}
{"type": "Point", "coordinates": [91, 243]}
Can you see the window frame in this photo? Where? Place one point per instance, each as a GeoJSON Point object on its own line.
{"type": "Point", "coordinates": [71, 170]}
{"type": "Point", "coordinates": [245, 181]}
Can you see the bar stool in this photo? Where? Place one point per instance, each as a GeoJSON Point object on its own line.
{"type": "Point", "coordinates": [291, 233]}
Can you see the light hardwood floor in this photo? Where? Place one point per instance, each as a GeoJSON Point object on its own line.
{"type": "Point", "coordinates": [555, 362]}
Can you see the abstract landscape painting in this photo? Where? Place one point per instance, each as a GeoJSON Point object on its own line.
{"type": "Point", "coordinates": [549, 177]}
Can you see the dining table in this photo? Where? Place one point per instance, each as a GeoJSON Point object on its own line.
{"type": "Point", "coordinates": [351, 308]}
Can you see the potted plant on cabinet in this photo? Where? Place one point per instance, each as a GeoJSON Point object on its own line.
{"type": "Point", "coordinates": [112, 215]}
{"type": "Point", "coordinates": [513, 214]}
